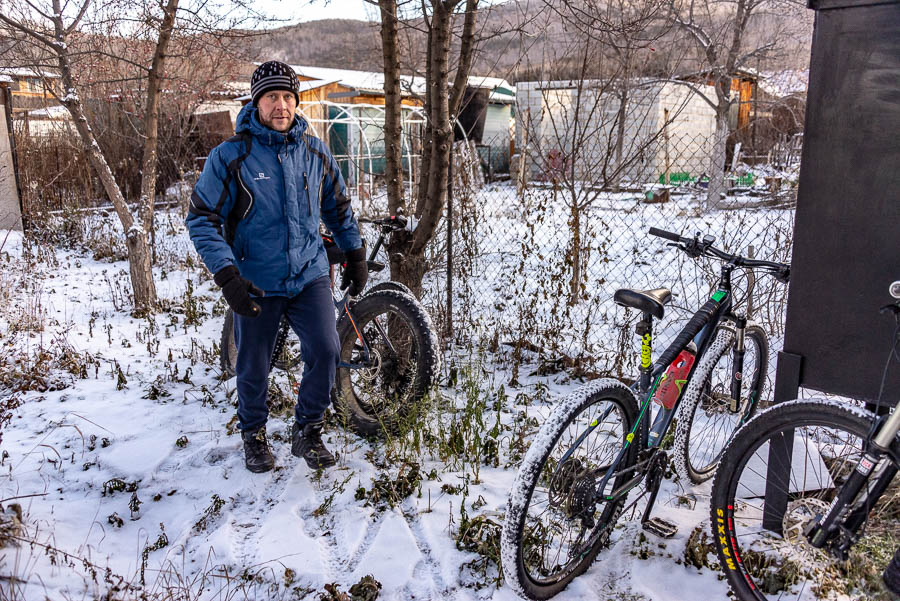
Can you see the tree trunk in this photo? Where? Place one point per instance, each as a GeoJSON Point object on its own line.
{"type": "Point", "coordinates": [620, 135]}
{"type": "Point", "coordinates": [407, 249]}
{"type": "Point", "coordinates": [393, 129]}
{"type": "Point", "coordinates": [575, 256]}
{"type": "Point", "coordinates": [425, 164]}
{"type": "Point", "coordinates": [136, 240]}
{"type": "Point", "coordinates": [441, 129]}
{"type": "Point", "coordinates": [716, 166]}
{"type": "Point", "coordinates": [151, 119]}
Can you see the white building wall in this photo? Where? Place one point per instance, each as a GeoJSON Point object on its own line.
{"type": "Point", "coordinates": [563, 121]}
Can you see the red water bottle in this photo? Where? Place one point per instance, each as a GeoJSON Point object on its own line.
{"type": "Point", "coordinates": [673, 380]}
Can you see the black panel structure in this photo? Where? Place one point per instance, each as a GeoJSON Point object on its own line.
{"type": "Point", "coordinates": [472, 114]}
{"type": "Point", "coordinates": [847, 230]}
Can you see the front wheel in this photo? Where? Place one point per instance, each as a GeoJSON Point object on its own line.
{"type": "Point", "coordinates": [709, 415]}
{"type": "Point", "coordinates": [556, 519]}
{"type": "Point", "coordinates": [380, 382]}
{"type": "Point", "coordinates": [761, 542]}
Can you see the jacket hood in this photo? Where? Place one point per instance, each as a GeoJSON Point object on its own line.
{"type": "Point", "coordinates": [248, 121]}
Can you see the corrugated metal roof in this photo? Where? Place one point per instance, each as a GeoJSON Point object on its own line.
{"type": "Point", "coordinates": [27, 72]}
{"type": "Point", "coordinates": [373, 82]}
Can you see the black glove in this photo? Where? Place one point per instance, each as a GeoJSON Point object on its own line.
{"type": "Point", "coordinates": [237, 290]}
{"type": "Point", "coordinates": [356, 271]}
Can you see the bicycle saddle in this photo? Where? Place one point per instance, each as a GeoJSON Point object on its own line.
{"type": "Point", "coordinates": [647, 301]}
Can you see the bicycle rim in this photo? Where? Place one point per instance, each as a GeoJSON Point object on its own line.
{"type": "Point", "coordinates": [762, 564]}
{"type": "Point", "coordinates": [561, 530]}
{"type": "Point", "coordinates": [716, 415]}
{"type": "Point", "coordinates": [382, 375]}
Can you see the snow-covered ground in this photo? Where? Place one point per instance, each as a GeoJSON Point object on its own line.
{"type": "Point", "coordinates": [130, 477]}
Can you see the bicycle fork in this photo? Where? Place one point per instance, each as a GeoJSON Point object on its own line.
{"type": "Point", "coordinates": [343, 306]}
{"type": "Point", "coordinates": [838, 528]}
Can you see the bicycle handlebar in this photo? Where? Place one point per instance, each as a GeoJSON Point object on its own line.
{"type": "Point", "coordinates": [664, 234]}
{"type": "Point", "coordinates": [391, 222]}
{"type": "Point", "coordinates": [695, 247]}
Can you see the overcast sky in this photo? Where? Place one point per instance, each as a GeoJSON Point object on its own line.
{"type": "Point", "coordinates": [313, 10]}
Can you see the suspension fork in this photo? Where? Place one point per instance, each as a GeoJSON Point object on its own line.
{"type": "Point", "coordinates": [842, 513]}
{"type": "Point", "coordinates": [737, 369]}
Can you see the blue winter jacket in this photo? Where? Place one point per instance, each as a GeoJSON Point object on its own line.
{"type": "Point", "coordinates": [285, 186]}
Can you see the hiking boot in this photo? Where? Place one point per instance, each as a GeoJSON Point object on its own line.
{"type": "Point", "coordinates": [306, 442]}
{"type": "Point", "coordinates": [257, 456]}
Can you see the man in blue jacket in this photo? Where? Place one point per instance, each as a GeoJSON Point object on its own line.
{"type": "Point", "coordinates": [254, 220]}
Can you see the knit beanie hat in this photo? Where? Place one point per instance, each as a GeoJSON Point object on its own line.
{"type": "Point", "coordinates": [273, 75]}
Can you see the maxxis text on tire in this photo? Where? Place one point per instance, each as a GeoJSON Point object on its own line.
{"type": "Point", "coordinates": [828, 439]}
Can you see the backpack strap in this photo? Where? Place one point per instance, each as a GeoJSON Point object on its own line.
{"type": "Point", "coordinates": [244, 201]}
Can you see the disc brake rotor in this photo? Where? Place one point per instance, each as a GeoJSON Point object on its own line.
{"type": "Point", "coordinates": [797, 517]}
{"type": "Point", "coordinates": [371, 371]}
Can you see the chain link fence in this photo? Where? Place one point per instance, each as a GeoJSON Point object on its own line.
{"type": "Point", "coordinates": [539, 241]}
{"type": "Point", "coordinates": [539, 252]}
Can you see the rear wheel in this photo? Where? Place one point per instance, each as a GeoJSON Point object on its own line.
{"type": "Point", "coordinates": [764, 552]}
{"type": "Point", "coordinates": [556, 520]}
{"type": "Point", "coordinates": [708, 416]}
{"type": "Point", "coordinates": [378, 384]}
{"type": "Point", "coordinates": [287, 347]}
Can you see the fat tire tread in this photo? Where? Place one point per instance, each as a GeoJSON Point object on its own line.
{"type": "Point", "coordinates": [428, 366]}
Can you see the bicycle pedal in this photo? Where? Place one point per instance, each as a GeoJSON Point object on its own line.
{"type": "Point", "coordinates": [660, 527]}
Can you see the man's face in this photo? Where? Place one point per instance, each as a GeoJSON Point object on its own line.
{"type": "Point", "coordinates": [276, 109]}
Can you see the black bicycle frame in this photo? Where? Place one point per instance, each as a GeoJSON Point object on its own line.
{"type": "Point", "coordinates": [723, 298]}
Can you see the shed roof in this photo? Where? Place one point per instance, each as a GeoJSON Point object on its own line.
{"type": "Point", "coordinates": [784, 83]}
{"type": "Point", "coordinates": [372, 82]}
{"type": "Point", "coordinates": [27, 72]}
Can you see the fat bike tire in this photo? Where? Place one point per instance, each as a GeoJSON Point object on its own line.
{"type": "Point", "coordinates": [376, 396]}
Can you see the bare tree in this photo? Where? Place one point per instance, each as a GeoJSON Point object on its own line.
{"type": "Point", "coordinates": [601, 124]}
{"type": "Point", "coordinates": [71, 35]}
{"type": "Point", "coordinates": [53, 28]}
{"type": "Point", "coordinates": [718, 29]}
{"type": "Point", "coordinates": [436, 19]}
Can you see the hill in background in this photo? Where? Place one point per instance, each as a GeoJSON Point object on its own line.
{"type": "Point", "coordinates": [520, 39]}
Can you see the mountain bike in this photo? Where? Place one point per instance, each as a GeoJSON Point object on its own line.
{"type": "Point", "coordinates": [598, 444]}
{"type": "Point", "coordinates": [389, 353]}
{"type": "Point", "coordinates": [805, 502]}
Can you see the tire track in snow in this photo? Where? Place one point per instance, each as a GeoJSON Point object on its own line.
{"type": "Point", "coordinates": [247, 518]}
{"type": "Point", "coordinates": [428, 566]}
{"type": "Point", "coordinates": [322, 529]}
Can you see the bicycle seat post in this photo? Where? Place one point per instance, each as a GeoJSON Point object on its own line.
{"type": "Point", "coordinates": [644, 329]}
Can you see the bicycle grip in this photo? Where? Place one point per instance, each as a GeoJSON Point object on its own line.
{"type": "Point", "coordinates": [693, 327]}
{"type": "Point", "coordinates": [664, 234]}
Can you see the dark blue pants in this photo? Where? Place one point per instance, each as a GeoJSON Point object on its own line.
{"type": "Point", "coordinates": [311, 315]}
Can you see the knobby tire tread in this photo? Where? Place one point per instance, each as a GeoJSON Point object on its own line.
{"type": "Point", "coordinates": [520, 495]}
{"type": "Point", "coordinates": [721, 347]}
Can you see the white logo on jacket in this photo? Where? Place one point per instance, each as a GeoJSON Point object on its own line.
{"type": "Point", "coordinates": [261, 176]}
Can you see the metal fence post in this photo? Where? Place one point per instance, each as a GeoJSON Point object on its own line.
{"type": "Point", "coordinates": [448, 327]}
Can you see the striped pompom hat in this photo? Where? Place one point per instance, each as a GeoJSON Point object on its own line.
{"type": "Point", "coordinates": [273, 75]}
